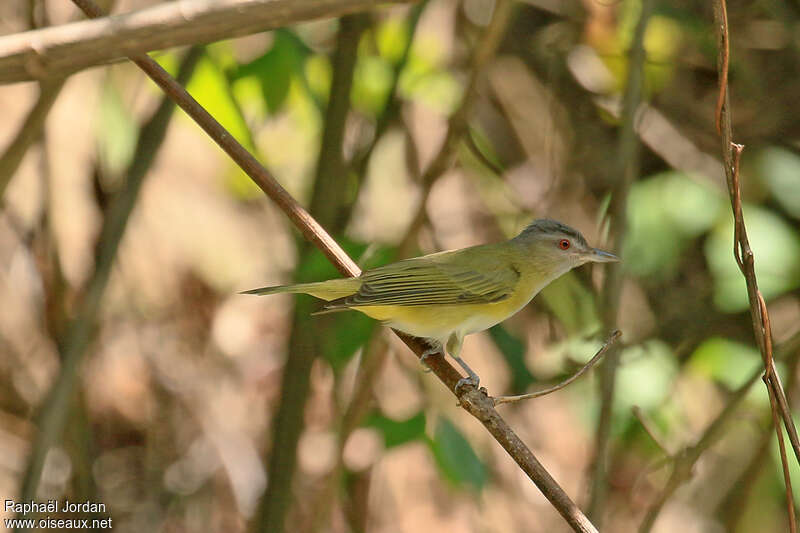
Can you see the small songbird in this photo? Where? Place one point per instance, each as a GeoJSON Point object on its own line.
{"type": "Point", "coordinates": [447, 295]}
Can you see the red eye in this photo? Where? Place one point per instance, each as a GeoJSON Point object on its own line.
{"type": "Point", "coordinates": [563, 244]}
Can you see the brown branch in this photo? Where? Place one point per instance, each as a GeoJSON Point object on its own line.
{"type": "Point", "coordinates": [62, 50]}
{"type": "Point", "coordinates": [731, 154]}
{"type": "Point", "coordinates": [626, 173]}
{"type": "Point", "coordinates": [28, 132]}
{"type": "Point", "coordinates": [585, 368]}
{"type": "Point", "coordinates": [473, 401]}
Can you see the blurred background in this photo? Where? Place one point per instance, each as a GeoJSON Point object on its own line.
{"type": "Point", "coordinates": [405, 132]}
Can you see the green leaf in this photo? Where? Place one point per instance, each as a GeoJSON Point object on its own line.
{"type": "Point", "coordinates": [209, 86]}
{"type": "Point", "coordinates": [372, 81]}
{"type": "Point", "coordinates": [344, 333]}
{"type": "Point", "coordinates": [397, 432]}
{"type": "Point", "coordinates": [645, 376]}
{"type": "Point", "coordinates": [665, 212]}
{"type": "Point", "coordinates": [776, 247]}
{"type": "Point", "coordinates": [116, 133]}
{"type": "Point", "coordinates": [455, 457]}
{"type": "Point", "coordinates": [513, 351]}
{"type": "Point", "coordinates": [780, 168]}
{"type": "Point", "coordinates": [726, 361]}
{"type": "Point", "coordinates": [275, 68]}
{"type": "Point", "coordinates": [572, 303]}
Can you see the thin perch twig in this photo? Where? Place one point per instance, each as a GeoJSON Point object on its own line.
{"type": "Point", "coordinates": [473, 401]}
{"type": "Point", "coordinates": [731, 155]}
{"type": "Point", "coordinates": [544, 392]}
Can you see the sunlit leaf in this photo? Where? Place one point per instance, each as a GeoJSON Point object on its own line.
{"type": "Point", "coordinates": [455, 457]}
{"type": "Point", "coordinates": [276, 68]}
{"type": "Point", "coordinates": [645, 376]}
{"type": "Point", "coordinates": [397, 432]}
{"type": "Point", "coordinates": [725, 361]}
{"type": "Point", "coordinates": [665, 212]}
{"type": "Point", "coordinates": [117, 132]}
{"type": "Point", "coordinates": [372, 81]}
{"type": "Point", "coordinates": [776, 247]}
{"type": "Point", "coordinates": [209, 86]}
{"type": "Point", "coordinates": [392, 38]}
{"type": "Point", "coordinates": [780, 170]}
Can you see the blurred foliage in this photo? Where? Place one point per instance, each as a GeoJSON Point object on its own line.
{"type": "Point", "coordinates": [182, 382]}
{"type": "Point", "coordinates": [455, 457]}
{"type": "Point", "coordinates": [395, 432]}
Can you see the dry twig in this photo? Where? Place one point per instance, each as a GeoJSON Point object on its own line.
{"type": "Point", "coordinates": [544, 392]}
{"type": "Point", "coordinates": [62, 50]}
{"type": "Point", "coordinates": [731, 154]}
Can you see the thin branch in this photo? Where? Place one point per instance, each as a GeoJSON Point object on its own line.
{"type": "Point", "coordinates": [627, 172]}
{"type": "Point", "coordinates": [686, 458]}
{"type": "Point", "coordinates": [473, 401]}
{"type": "Point", "coordinates": [657, 438]}
{"type": "Point", "coordinates": [52, 416]}
{"type": "Point", "coordinates": [544, 392]}
{"type": "Point", "coordinates": [28, 132]}
{"type": "Point", "coordinates": [731, 154]}
{"type": "Point", "coordinates": [62, 50]}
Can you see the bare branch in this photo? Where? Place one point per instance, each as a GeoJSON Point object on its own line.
{"type": "Point", "coordinates": [544, 392]}
{"type": "Point", "coordinates": [58, 51]}
{"type": "Point", "coordinates": [731, 154]}
{"type": "Point", "coordinates": [28, 132]}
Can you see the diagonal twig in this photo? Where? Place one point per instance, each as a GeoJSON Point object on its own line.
{"type": "Point", "coordinates": [585, 368]}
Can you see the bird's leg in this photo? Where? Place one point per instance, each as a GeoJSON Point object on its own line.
{"type": "Point", "coordinates": [434, 348]}
{"type": "Point", "coordinates": [454, 344]}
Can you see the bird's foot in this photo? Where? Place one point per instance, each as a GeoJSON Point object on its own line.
{"type": "Point", "coordinates": [433, 350]}
{"type": "Point", "coordinates": [471, 379]}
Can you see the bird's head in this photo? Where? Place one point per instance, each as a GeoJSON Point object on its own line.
{"type": "Point", "coordinates": [555, 248]}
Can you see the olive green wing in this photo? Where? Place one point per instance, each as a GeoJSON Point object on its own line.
{"type": "Point", "coordinates": [433, 280]}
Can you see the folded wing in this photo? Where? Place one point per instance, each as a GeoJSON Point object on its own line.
{"type": "Point", "coordinates": [426, 281]}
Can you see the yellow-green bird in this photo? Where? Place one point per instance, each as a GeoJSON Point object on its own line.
{"type": "Point", "coordinates": [447, 295]}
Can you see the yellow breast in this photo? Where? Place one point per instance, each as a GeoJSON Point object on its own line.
{"type": "Point", "coordinates": [439, 321]}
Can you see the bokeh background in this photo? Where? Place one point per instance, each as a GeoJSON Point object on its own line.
{"type": "Point", "coordinates": [173, 424]}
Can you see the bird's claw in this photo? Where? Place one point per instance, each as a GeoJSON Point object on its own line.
{"type": "Point", "coordinates": [427, 353]}
{"type": "Point", "coordinates": [472, 380]}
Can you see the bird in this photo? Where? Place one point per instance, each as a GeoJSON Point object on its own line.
{"type": "Point", "coordinates": [445, 296]}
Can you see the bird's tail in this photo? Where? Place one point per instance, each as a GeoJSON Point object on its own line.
{"type": "Point", "coordinates": [325, 290]}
